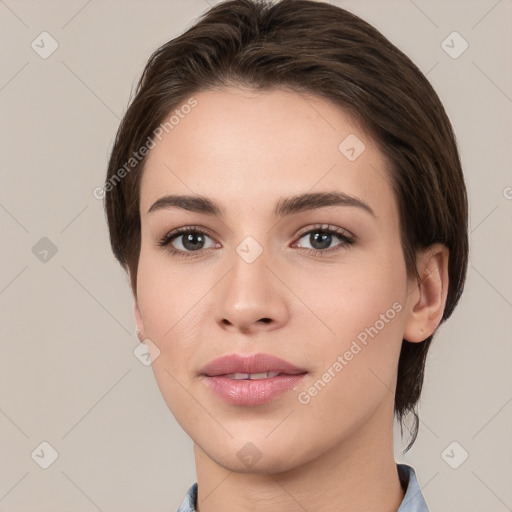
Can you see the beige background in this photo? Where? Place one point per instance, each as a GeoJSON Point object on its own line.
{"type": "Point", "coordinates": [67, 372]}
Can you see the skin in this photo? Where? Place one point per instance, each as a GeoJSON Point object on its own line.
{"type": "Point", "coordinates": [246, 150]}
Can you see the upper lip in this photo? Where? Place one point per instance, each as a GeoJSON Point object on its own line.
{"type": "Point", "coordinates": [257, 363]}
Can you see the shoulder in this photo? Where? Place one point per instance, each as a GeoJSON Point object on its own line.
{"type": "Point", "coordinates": [189, 502]}
{"type": "Point", "coordinates": [413, 500]}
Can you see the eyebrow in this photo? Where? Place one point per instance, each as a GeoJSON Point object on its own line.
{"type": "Point", "coordinates": [285, 206]}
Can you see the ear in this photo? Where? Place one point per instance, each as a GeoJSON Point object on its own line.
{"type": "Point", "coordinates": [138, 320]}
{"type": "Point", "coordinates": [426, 297]}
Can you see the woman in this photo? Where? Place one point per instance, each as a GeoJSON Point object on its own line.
{"type": "Point", "coordinates": [286, 194]}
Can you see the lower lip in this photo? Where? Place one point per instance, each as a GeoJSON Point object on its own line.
{"type": "Point", "coordinates": [252, 392]}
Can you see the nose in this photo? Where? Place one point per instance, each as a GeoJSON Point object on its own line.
{"type": "Point", "coordinates": [251, 298]}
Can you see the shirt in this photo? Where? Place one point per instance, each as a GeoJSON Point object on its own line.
{"type": "Point", "coordinates": [413, 500]}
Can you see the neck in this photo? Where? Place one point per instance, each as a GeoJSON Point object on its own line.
{"type": "Point", "coordinates": [359, 474]}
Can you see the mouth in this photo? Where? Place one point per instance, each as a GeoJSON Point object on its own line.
{"type": "Point", "coordinates": [252, 376]}
{"type": "Point", "coordinates": [250, 380]}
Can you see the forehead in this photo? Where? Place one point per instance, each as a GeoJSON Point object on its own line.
{"type": "Point", "coordinates": [254, 146]}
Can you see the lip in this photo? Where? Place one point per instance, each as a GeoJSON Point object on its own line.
{"type": "Point", "coordinates": [257, 363]}
{"type": "Point", "coordinates": [250, 392]}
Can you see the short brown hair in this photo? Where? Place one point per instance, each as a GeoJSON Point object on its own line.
{"type": "Point", "coordinates": [315, 47]}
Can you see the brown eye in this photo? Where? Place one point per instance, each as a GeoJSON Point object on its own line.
{"type": "Point", "coordinates": [322, 239]}
{"type": "Point", "coordinates": [192, 241]}
{"type": "Point", "coordinates": [186, 240]}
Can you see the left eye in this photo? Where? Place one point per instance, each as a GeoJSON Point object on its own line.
{"type": "Point", "coordinates": [321, 239]}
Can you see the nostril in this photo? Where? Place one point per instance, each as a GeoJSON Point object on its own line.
{"type": "Point", "coordinates": [266, 320]}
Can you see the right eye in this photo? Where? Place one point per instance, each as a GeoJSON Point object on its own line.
{"type": "Point", "coordinates": [186, 240]}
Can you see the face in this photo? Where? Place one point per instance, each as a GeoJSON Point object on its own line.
{"type": "Point", "coordinates": [287, 261]}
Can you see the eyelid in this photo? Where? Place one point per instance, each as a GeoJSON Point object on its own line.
{"type": "Point", "coordinates": [326, 227]}
{"type": "Point", "coordinates": [174, 233]}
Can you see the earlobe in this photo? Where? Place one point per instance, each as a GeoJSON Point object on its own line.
{"type": "Point", "coordinates": [427, 297]}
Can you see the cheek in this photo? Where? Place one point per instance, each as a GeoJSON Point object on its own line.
{"type": "Point", "coordinates": [362, 305]}
{"type": "Point", "coordinates": [166, 302]}
{"type": "Point", "coordinates": [355, 369]}
{"type": "Point", "coordinates": [165, 297]}
{"type": "Point", "coordinates": [156, 305]}
{"type": "Point", "coordinates": [350, 298]}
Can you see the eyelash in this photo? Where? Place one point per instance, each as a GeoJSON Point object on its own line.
{"type": "Point", "coordinates": [346, 240]}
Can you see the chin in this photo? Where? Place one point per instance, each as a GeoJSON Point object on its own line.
{"type": "Point", "coordinates": [257, 454]}
{"type": "Point", "coordinates": [267, 465]}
